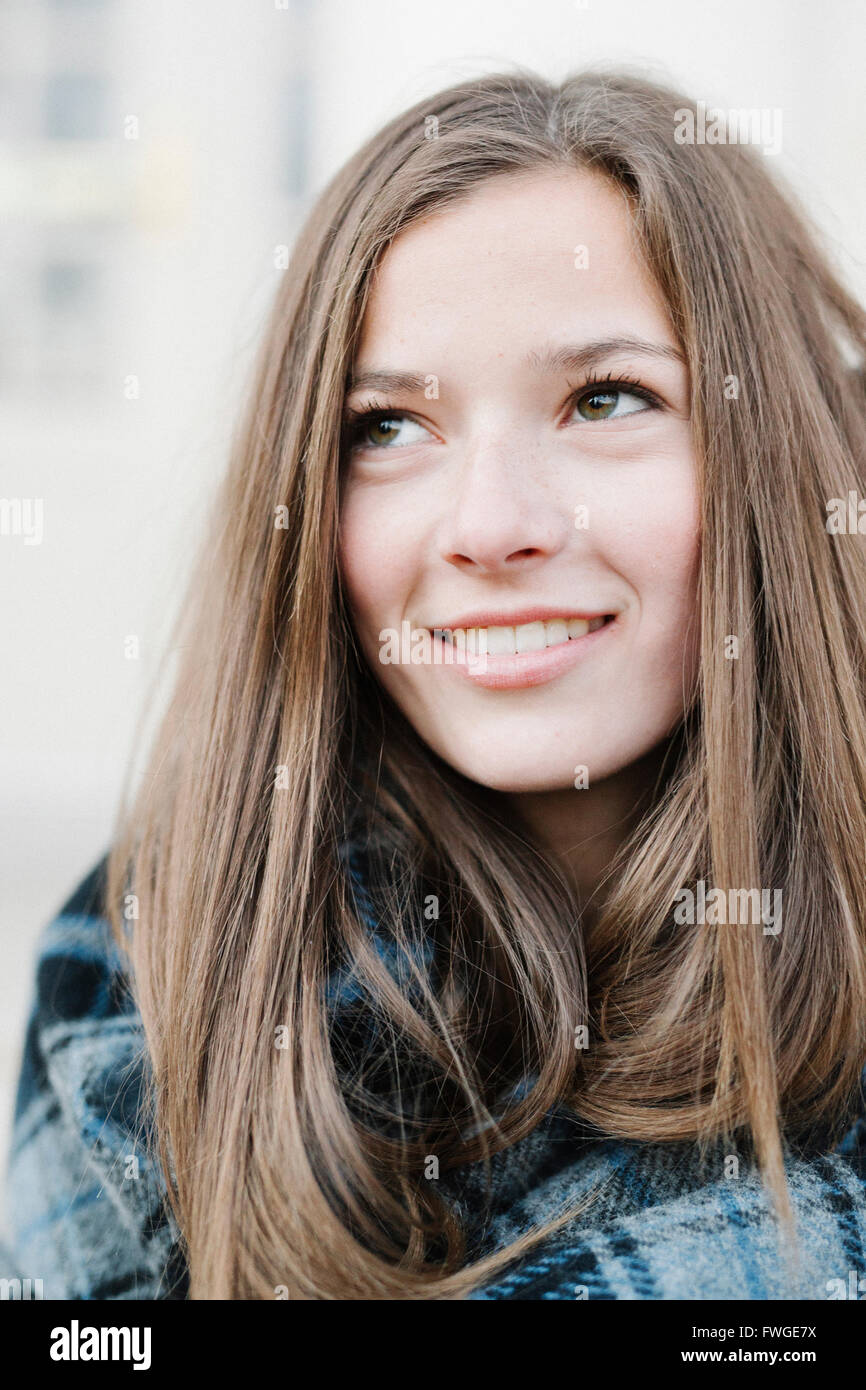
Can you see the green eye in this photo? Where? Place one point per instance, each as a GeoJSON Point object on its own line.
{"type": "Point", "coordinates": [598, 405]}
{"type": "Point", "coordinates": [610, 401]}
{"type": "Point", "coordinates": [380, 430]}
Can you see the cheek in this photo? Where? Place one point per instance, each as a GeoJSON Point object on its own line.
{"type": "Point", "coordinates": [657, 550]}
{"type": "Point", "coordinates": [377, 555]}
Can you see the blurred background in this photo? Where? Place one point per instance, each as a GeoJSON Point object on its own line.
{"type": "Point", "coordinates": [153, 158]}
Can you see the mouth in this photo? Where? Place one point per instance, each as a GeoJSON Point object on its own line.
{"type": "Point", "coordinates": [516, 639]}
{"type": "Point", "coordinates": [512, 656]}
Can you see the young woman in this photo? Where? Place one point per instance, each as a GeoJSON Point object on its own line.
{"type": "Point", "coordinates": [491, 916]}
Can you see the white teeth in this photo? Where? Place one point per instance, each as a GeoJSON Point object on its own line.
{"type": "Point", "coordinates": [500, 641]}
{"type": "Point", "coordinates": [530, 637]}
{"type": "Point", "coordinates": [527, 637]}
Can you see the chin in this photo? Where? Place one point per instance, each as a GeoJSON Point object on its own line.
{"type": "Point", "coordinates": [528, 763]}
{"type": "Point", "coordinates": [518, 784]}
{"type": "Point", "coordinates": [506, 773]}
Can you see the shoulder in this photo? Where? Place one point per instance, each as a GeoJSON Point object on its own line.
{"type": "Point", "coordinates": [82, 1013]}
{"type": "Point", "coordinates": [79, 968]}
{"type": "Point", "coordinates": [666, 1224]}
{"type": "Point", "coordinates": [86, 1201]}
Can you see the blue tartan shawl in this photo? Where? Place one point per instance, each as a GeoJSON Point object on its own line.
{"type": "Point", "coordinates": [87, 1215]}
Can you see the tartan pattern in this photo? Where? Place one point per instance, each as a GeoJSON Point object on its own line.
{"type": "Point", "coordinates": [667, 1226]}
{"type": "Point", "coordinates": [85, 1206]}
{"type": "Point", "coordinates": [87, 1215]}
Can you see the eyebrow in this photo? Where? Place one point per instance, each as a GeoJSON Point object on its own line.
{"type": "Point", "coordinates": [568, 358]}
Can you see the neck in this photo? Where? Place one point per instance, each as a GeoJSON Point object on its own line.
{"type": "Point", "coordinates": [583, 829]}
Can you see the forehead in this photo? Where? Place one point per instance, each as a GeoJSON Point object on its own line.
{"type": "Point", "coordinates": [521, 255]}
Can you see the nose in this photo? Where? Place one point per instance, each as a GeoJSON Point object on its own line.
{"type": "Point", "coordinates": [501, 516]}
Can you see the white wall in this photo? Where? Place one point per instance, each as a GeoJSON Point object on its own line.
{"type": "Point", "coordinates": [179, 227]}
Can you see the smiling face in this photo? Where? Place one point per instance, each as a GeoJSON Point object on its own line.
{"type": "Point", "coordinates": [529, 481]}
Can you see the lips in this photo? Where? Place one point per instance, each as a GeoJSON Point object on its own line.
{"type": "Point", "coordinates": [517, 617]}
{"type": "Point", "coordinates": [488, 655]}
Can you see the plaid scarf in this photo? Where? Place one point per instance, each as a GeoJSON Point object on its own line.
{"type": "Point", "coordinates": [87, 1215]}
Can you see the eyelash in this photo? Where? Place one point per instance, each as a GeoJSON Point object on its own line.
{"type": "Point", "coordinates": [355, 421]}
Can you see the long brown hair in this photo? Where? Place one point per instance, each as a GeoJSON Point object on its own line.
{"type": "Point", "coordinates": [295, 1152]}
